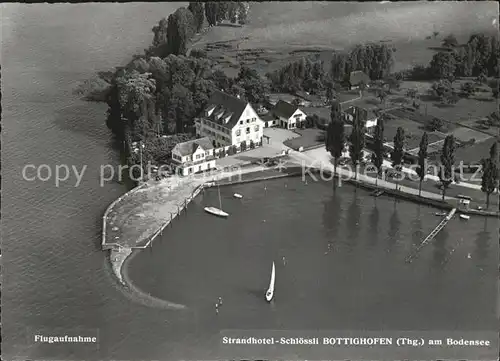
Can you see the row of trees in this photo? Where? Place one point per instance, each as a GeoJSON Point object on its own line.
{"type": "Point", "coordinates": [303, 74]}
{"type": "Point", "coordinates": [172, 36]}
{"type": "Point", "coordinates": [335, 144]}
{"type": "Point", "coordinates": [376, 60]}
{"type": "Point", "coordinates": [478, 57]}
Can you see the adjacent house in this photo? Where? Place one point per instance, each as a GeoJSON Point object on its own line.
{"type": "Point", "coordinates": [287, 115]}
{"type": "Point", "coordinates": [357, 77]}
{"type": "Point", "coordinates": [228, 121]}
{"type": "Point", "coordinates": [193, 156]}
{"type": "Point", "coordinates": [368, 116]}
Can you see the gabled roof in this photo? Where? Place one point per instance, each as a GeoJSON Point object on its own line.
{"type": "Point", "coordinates": [224, 106]}
{"type": "Point", "coordinates": [370, 113]}
{"type": "Point", "coordinates": [189, 147]}
{"type": "Point", "coordinates": [358, 76]}
{"type": "Point", "coordinates": [284, 109]}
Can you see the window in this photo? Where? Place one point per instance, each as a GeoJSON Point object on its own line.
{"type": "Point", "coordinates": [241, 122]}
{"type": "Point", "coordinates": [254, 119]}
{"type": "Point", "coordinates": [238, 132]}
{"type": "Point", "coordinates": [248, 130]}
{"type": "Point", "coordinates": [248, 120]}
{"type": "Point", "coordinates": [207, 153]}
{"type": "Point", "coordinates": [256, 128]}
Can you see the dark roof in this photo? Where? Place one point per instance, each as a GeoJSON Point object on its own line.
{"type": "Point", "coordinates": [358, 76]}
{"type": "Point", "coordinates": [370, 113]}
{"type": "Point", "coordinates": [189, 147]}
{"type": "Point", "coordinates": [284, 109]}
{"type": "Point", "coordinates": [224, 106]}
{"type": "Point", "coordinates": [267, 117]}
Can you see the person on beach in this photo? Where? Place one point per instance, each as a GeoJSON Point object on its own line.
{"type": "Point", "coordinates": [284, 261]}
{"type": "Point", "coordinates": [217, 308]}
{"type": "Point", "coordinates": [220, 301]}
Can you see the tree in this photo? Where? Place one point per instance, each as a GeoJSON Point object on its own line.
{"type": "Point", "coordinates": [160, 33]}
{"type": "Point", "coordinates": [398, 151]}
{"type": "Point", "coordinates": [232, 12]}
{"type": "Point", "coordinates": [382, 95]}
{"type": "Point", "coordinates": [442, 90]}
{"type": "Point", "coordinates": [494, 157]}
{"type": "Point", "coordinates": [447, 163]}
{"type": "Point", "coordinates": [335, 135]}
{"type": "Point", "coordinates": [357, 139]}
{"type": "Point", "coordinates": [467, 89]}
{"type": "Point", "coordinates": [222, 10]}
{"type": "Point", "coordinates": [422, 160]}
{"type": "Point", "coordinates": [198, 14]}
{"type": "Point", "coordinates": [378, 154]}
{"type": "Point", "coordinates": [393, 83]}
{"type": "Point", "coordinates": [242, 10]}
{"type": "Point", "coordinates": [442, 65]}
{"type": "Point", "coordinates": [330, 90]}
{"type": "Point", "coordinates": [450, 41]}
{"type": "Point", "coordinates": [180, 30]}
{"type": "Point", "coordinates": [489, 179]}
{"type": "Point", "coordinates": [211, 9]}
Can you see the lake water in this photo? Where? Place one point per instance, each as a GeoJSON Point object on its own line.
{"type": "Point", "coordinates": [56, 279]}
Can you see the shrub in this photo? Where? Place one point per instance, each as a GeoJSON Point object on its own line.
{"type": "Point", "coordinates": [434, 124]}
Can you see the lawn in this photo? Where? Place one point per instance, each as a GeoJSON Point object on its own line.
{"type": "Point", "coordinates": [308, 138]}
{"type": "Point", "coordinates": [413, 131]}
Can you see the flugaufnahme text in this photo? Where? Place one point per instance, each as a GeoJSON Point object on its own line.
{"type": "Point", "coordinates": [65, 339]}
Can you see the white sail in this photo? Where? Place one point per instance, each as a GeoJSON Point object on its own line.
{"type": "Point", "coordinates": [270, 290]}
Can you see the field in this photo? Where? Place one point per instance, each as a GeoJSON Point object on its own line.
{"type": "Point", "coordinates": [277, 32]}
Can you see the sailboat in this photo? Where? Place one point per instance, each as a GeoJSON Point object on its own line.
{"type": "Point", "coordinates": [270, 290]}
{"type": "Point", "coordinates": [217, 211]}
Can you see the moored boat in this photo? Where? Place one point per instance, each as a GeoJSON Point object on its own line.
{"type": "Point", "coordinates": [237, 195]}
{"type": "Point", "coordinates": [216, 211]}
{"type": "Point", "coordinates": [463, 216]}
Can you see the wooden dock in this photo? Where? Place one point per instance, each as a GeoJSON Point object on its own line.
{"type": "Point", "coordinates": [431, 235]}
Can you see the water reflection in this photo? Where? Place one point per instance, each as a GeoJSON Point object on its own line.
{"type": "Point", "coordinates": [440, 253]}
{"type": "Point", "coordinates": [482, 242]}
{"type": "Point", "coordinates": [332, 217]}
{"type": "Point", "coordinates": [373, 230]}
{"type": "Point", "coordinates": [393, 233]}
{"type": "Point", "coordinates": [417, 235]}
{"type": "Point", "coordinates": [354, 219]}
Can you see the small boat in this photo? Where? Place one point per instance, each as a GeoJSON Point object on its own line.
{"type": "Point", "coordinates": [479, 208]}
{"type": "Point", "coordinates": [237, 195]}
{"type": "Point", "coordinates": [440, 214]}
{"type": "Point", "coordinates": [217, 211]}
{"type": "Point", "coordinates": [468, 255]}
{"type": "Point", "coordinates": [270, 290]}
{"type": "Point", "coordinates": [377, 193]}
{"type": "Point", "coordinates": [463, 216]}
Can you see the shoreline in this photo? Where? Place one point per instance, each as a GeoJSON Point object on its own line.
{"type": "Point", "coordinates": [119, 257]}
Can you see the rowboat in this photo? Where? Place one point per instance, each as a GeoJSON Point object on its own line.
{"type": "Point", "coordinates": [237, 195]}
{"type": "Point", "coordinates": [463, 216]}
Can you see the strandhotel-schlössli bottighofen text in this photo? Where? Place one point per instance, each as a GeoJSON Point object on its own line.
{"type": "Point", "coordinates": [352, 341]}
